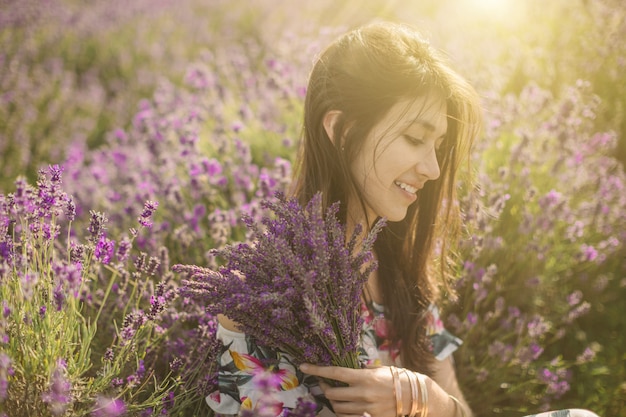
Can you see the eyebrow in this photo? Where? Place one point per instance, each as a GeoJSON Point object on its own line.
{"type": "Point", "coordinates": [426, 125]}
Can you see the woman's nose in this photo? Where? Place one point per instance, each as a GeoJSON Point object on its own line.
{"type": "Point", "coordinates": [429, 166]}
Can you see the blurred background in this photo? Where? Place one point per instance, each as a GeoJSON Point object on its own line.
{"type": "Point", "coordinates": [76, 70]}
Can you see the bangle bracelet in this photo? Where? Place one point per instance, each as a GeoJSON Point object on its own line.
{"type": "Point", "coordinates": [393, 382]}
{"type": "Point", "coordinates": [422, 381]}
{"type": "Point", "coordinates": [458, 405]}
{"type": "Point", "coordinates": [397, 389]}
{"type": "Point", "coordinates": [414, 393]}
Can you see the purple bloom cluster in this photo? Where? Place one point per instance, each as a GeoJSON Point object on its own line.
{"type": "Point", "coordinates": [58, 397]}
{"type": "Point", "coordinates": [6, 370]}
{"type": "Point", "coordinates": [49, 282]}
{"type": "Point", "coordinates": [109, 407]}
{"type": "Point", "coordinates": [297, 287]}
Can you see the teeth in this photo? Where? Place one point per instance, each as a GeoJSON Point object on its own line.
{"type": "Point", "coordinates": [406, 187]}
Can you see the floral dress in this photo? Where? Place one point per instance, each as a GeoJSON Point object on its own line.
{"type": "Point", "coordinates": [242, 358]}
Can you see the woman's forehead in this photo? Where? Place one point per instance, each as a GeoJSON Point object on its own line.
{"type": "Point", "coordinates": [429, 113]}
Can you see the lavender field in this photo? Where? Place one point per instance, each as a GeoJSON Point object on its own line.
{"type": "Point", "coordinates": [135, 135]}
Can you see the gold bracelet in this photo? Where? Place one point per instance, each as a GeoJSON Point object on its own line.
{"type": "Point", "coordinates": [422, 381]}
{"type": "Point", "coordinates": [457, 404]}
{"type": "Point", "coordinates": [393, 382]}
{"type": "Point", "coordinates": [414, 393]}
{"type": "Point", "coordinates": [397, 389]}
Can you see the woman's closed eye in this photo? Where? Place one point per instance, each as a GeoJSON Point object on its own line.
{"type": "Point", "coordinates": [414, 140]}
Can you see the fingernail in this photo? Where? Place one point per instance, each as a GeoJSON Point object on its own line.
{"type": "Point", "coordinates": [304, 367]}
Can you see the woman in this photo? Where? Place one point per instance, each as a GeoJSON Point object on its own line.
{"type": "Point", "coordinates": [386, 125]}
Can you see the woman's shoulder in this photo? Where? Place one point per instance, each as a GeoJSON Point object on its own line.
{"type": "Point", "coordinates": [228, 324]}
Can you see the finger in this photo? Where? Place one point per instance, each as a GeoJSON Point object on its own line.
{"type": "Point", "coordinates": [323, 385]}
{"type": "Point", "coordinates": [343, 393]}
{"type": "Point", "coordinates": [337, 373]}
{"type": "Point", "coordinates": [348, 408]}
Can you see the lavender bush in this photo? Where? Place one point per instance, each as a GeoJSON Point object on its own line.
{"type": "Point", "coordinates": [546, 251]}
{"type": "Point", "coordinates": [59, 356]}
{"type": "Point", "coordinates": [297, 286]}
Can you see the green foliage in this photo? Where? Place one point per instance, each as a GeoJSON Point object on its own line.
{"type": "Point", "coordinates": [63, 351]}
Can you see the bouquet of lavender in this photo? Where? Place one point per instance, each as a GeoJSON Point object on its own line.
{"type": "Point", "coordinates": [297, 287]}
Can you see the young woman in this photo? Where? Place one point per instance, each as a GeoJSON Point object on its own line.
{"type": "Point", "coordinates": [387, 124]}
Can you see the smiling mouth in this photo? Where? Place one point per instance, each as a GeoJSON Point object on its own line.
{"type": "Point", "coordinates": [406, 187]}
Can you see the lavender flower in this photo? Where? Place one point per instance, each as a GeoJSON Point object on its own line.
{"type": "Point", "coordinates": [168, 402]}
{"type": "Point", "coordinates": [104, 249]}
{"type": "Point", "coordinates": [305, 407]}
{"type": "Point", "coordinates": [58, 395]}
{"type": "Point", "coordinates": [6, 370]}
{"type": "Point", "coordinates": [97, 225]}
{"type": "Point", "coordinates": [300, 259]}
{"type": "Point", "coordinates": [109, 407]}
{"type": "Point", "coordinates": [148, 210]}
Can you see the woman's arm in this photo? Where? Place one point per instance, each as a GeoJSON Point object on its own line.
{"type": "Point", "coordinates": [445, 377]}
{"type": "Point", "coordinates": [372, 390]}
{"type": "Point", "coordinates": [228, 323]}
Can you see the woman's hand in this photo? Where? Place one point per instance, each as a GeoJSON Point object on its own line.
{"type": "Point", "coordinates": [369, 390]}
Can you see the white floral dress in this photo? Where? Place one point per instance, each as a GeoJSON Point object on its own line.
{"type": "Point", "coordinates": [242, 358]}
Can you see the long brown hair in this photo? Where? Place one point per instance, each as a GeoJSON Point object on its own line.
{"type": "Point", "coordinates": [362, 75]}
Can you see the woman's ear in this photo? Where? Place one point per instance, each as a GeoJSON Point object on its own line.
{"type": "Point", "coordinates": [331, 118]}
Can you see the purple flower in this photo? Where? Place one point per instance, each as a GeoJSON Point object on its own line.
{"type": "Point", "coordinates": [108, 407]}
{"type": "Point", "coordinates": [148, 210]}
{"type": "Point", "coordinates": [28, 282]}
{"type": "Point", "coordinates": [109, 355]}
{"type": "Point", "coordinates": [300, 270]}
{"type": "Point", "coordinates": [266, 381]}
{"type": "Point", "coordinates": [537, 327]}
{"type": "Point", "coordinates": [58, 395]}
{"type": "Point", "coordinates": [551, 199]}
{"type": "Point", "coordinates": [123, 249]}
{"type": "Point", "coordinates": [589, 253]}
{"type": "Point", "coordinates": [578, 311]}
{"type": "Point", "coordinates": [55, 173]}
{"type": "Point", "coordinates": [574, 298]}
{"type": "Point", "coordinates": [6, 310]}
{"type": "Point", "coordinates": [471, 318]}
{"type": "Point", "coordinates": [588, 355]}
{"type": "Point", "coordinates": [58, 295]}
{"type": "Point", "coordinates": [148, 412]}
{"type": "Point", "coordinates": [68, 276]}
{"type": "Point", "coordinates": [557, 382]}
{"type": "Point", "coordinates": [141, 369]}
{"type": "Point", "coordinates": [6, 370]}
{"type": "Point", "coordinates": [168, 402]}
{"type": "Point", "coordinates": [305, 407]}
{"type": "Point", "coordinates": [104, 249]}
{"type": "Point", "coordinates": [97, 225]}
{"type": "Point", "coordinates": [6, 250]}
{"type": "Point", "coordinates": [530, 353]}
{"type": "Point", "coordinates": [500, 350]}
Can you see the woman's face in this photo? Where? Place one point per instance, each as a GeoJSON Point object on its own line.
{"type": "Point", "coordinates": [398, 157]}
